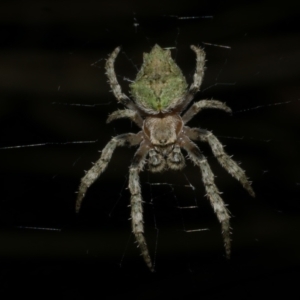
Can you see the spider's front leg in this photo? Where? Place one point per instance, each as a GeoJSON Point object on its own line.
{"type": "Point", "coordinates": [99, 167]}
{"type": "Point", "coordinates": [136, 202]}
{"type": "Point", "coordinates": [212, 191]}
{"type": "Point", "coordinates": [224, 159]}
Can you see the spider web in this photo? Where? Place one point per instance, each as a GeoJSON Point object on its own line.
{"type": "Point", "coordinates": [47, 144]}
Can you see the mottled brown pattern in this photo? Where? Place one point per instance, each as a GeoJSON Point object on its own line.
{"type": "Point", "coordinates": [163, 133]}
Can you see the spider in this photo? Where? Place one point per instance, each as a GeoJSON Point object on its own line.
{"type": "Point", "coordinates": [160, 96]}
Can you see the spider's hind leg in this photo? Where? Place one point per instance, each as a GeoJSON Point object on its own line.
{"type": "Point", "coordinates": [198, 77]}
{"type": "Point", "coordinates": [113, 82]}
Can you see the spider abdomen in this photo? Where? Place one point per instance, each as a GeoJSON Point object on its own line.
{"type": "Point", "coordinates": [159, 83]}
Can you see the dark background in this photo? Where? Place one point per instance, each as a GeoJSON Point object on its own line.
{"type": "Point", "coordinates": [52, 57]}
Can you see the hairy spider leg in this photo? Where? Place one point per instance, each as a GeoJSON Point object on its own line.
{"type": "Point", "coordinates": [212, 191]}
{"type": "Point", "coordinates": [126, 113]}
{"type": "Point", "coordinates": [113, 82]}
{"type": "Point", "coordinates": [224, 159]}
{"type": "Point", "coordinates": [203, 104]}
{"type": "Point", "coordinates": [197, 80]}
{"type": "Point", "coordinates": [136, 167]}
{"type": "Point", "coordinates": [128, 139]}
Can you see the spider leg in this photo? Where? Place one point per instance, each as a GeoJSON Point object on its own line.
{"type": "Point", "coordinates": [126, 113]}
{"type": "Point", "coordinates": [99, 167]}
{"type": "Point", "coordinates": [112, 79]}
{"type": "Point", "coordinates": [198, 76]}
{"type": "Point", "coordinates": [224, 159]}
{"type": "Point", "coordinates": [198, 106]}
{"type": "Point", "coordinates": [136, 202]}
{"type": "Point", "coordinates": [212, 191]}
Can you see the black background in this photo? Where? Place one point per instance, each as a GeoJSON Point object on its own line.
{"type": "Point", "coordinates": [52, 57]}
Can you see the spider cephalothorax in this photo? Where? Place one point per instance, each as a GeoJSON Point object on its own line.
{"type": "Point", "coordinates": [160, 94]}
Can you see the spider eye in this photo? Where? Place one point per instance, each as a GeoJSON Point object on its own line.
{"type": "Point", "coordinates": [163, 141]}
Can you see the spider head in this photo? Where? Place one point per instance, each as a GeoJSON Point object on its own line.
{"type": "Point", "coordinates": [162, 131]}
{"type": "Point", "coordinates": [165, 157]}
